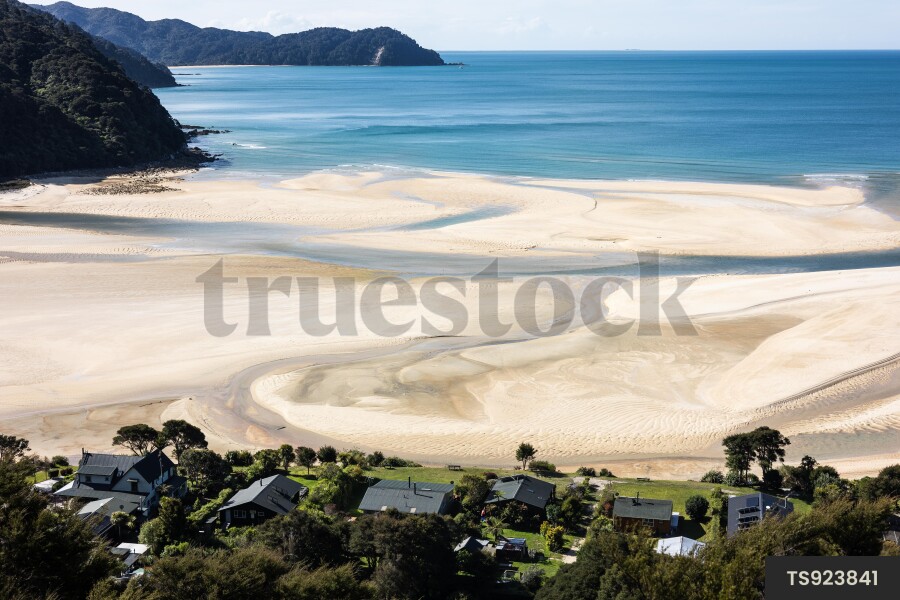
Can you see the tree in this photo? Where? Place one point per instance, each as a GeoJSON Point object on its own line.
{"type": "Point", "coordinates": [471, 492]}
{"type": "Point", "coordinates": [239, 458]}
{"type": "Point", "coordinates": [525, 453]}
{"type": "Point", "coordinates": [306, 457]}
{"type": "Point", "coordinates": [265, 464]}
{"type": "Point", "coordinates": [554, 536]}
{"type": "Point", "coordinates": [139, 438]}
{"type": "Point", "coordinates": [206, 469]}
{"type": "Point", "coordinates": [327, 454]}
{"type": "Point", "coordinates": [45, 552]}
{"type": "Point", "coordinates": [182, 435]}
{"type": "Point", "coordinates": [303, 537]}
{"type": "Point", "coordinates": [696, 507]}
{"type": "Point", "coordinates": [375, 459]}
{"type": "Point", "coordinates": [287, 455]}
{"type": "Point", "coordinates": [121, 520]}
{"type": "Point", "coordinates": [495, 527]}
{"type": "Point", "coordinates": [768, 447]}
{"type": "Point", "coordinates": [739, 453]}
{"type": "Point", "coordinates": [12, 448]}
{"type": "Point", "coordinates": [59, 461]}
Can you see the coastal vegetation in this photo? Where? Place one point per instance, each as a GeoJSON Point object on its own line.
{"type": "Point", "coordinates": [176, 42]}
{"type": "Point", "coordinates": [326, 547]}
{"type": "Point", "coordinates": [67, 106]}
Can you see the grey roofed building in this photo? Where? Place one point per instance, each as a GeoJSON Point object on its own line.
{"type": "Point", "coordinates": [643, 508]}
{"type": "Point", "coordinates": [525, 489]}
{"type": "Point", "coordinates": [415, 497]}
{"type": "Point", "coordinates": [748, 510]}
{"type": "Point", "coordinates": [472, 544]}
{"type": "Point", "coordinates": [277, 493]}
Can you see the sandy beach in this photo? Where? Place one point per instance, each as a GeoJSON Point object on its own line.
{"type": "Point", "coordinates": [103, 319]}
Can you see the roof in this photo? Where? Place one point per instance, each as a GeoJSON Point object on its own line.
{"type": "Point", "coordinates": [524, 488]}
{"type": "Point", "coordinates": [115, 466]}
{"type": "Point", "coordinates": [275, 493]}
{"type": "Point", "coordinates": [746, 510]}
{"type": "Point", "coordinates": [679, 546]}
{"type": "Point", "coordinates": [129, 553]}
{"type": "Point", "coordinates": [47, 484]}
{"type": "Point", "coordinates": [120, 501]}
{"type": "Point", "coordinates": [642, 508]}
{"type": "Point", "coordinates": [472, 544]}
{"type": "Point", "coordinates": [415, 497]}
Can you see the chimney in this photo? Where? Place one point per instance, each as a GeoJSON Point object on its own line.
{"type": "Point", "coordinates": [409, 482]}
{"type": "Point", "coordinates": [414, 488]}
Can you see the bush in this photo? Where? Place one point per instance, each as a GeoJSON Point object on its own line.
{"type": "Point", "coordinates": [394, 462]}
{"type": "Point", "coordinates": [51, 473]}
{"type": "Point", "coordinates": [542, 466]}
{"type": "Point", "coordinates": [605, 473]}
{"type": "Point", "coordinates": [733, 478]}
{"type": "Point", "coordinates": [586, 472]}
{"type": "Point", "coordinates": [713, 476]}
{"type": "Point", "coordinates": [488, 475]}
{"type": "Point", "coordinates": [375, 459]}
{"type": "Point", "coordinates": [696, 507]}
{"type": "Point", "coordinates": [773, 479]}
{"type": "Point", "coordinates": [532, 578]}
{"type": "Point", "coordinates": [66, 471]}
{"type": "Point", "coordinates": [554, 535]}
{"type": "Point", "coordinates": [59, 461]}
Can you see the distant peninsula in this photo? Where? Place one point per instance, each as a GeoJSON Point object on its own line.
{"type": "Point", "coordinates": [174, 42]}
{"type": "Point", "coordinates": [65, 105]}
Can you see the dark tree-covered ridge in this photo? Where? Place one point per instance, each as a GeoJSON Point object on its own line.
{"type": "Point", "coordinates": [64, 105]}
{"type": "Point", "coordinates": [175, 42]}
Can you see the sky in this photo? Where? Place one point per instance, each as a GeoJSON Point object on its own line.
{"type": "Point", "coordinates": [560, 24]}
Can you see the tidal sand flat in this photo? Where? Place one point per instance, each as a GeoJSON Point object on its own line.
{"type": "Point", "coordinates": [793, 304]}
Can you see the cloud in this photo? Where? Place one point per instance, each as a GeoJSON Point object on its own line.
{"type": "Point", "coordinates": [274, 21]}
{"type": "Point", "coordinates": [515, 26]}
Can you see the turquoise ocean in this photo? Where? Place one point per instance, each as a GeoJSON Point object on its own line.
{"type": "Point", "coordinates": [789, 118]}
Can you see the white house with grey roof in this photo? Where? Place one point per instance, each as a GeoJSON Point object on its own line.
{"type": "Point", "coordinates": [748, 510]}
{"type": "Point", "coordinates": [411, 497]}
{"type": "Point", "coordinates": [261, 500]}
{"type": "Point", "coordinates": [131, 483]}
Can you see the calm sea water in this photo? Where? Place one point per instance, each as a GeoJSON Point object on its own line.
{"type": "Point", "coordinates": [781, 117]}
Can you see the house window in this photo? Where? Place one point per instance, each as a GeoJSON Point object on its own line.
{"type": "Point", "coordinates": [87, 478]}
{"type": "Point", "coordinates": [238, 514]}
{"type": "Point", "coordinates": [134, 484]}
{"type": "Point", "coordinates": [648, 522]}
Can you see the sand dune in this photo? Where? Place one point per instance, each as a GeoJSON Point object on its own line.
{"type": "Point", "coordinates": [102, 328]}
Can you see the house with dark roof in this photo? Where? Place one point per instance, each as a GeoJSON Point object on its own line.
{"type": "Point", "coordinates": [534, 493]}
{"type": "Point", "coordinates": [261, 500]}
{"type": "Point", "coordinates": [409, 497]}
{"type": "Point", "coordinates": [630, 514]}
{"type": "Point", "coordinates": [473, 545]}
{"type": "Point", "coordinates": [132, 483]}
{"type": "Point", "coordinates": [748, 510]}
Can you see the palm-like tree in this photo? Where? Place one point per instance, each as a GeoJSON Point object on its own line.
{"type": "Point", "coordinates": [495, 527]}
{"type": "Point", "coordinates": [121, 519]}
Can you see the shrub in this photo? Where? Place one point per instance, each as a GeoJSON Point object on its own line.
{"type": "Point", "coordinates": [586, 472]}
{"type": "Point", "coordinates": [394, 462]}
{"type": "Point", "coordinates": [713, 476]}
{"type": "Point", "coordinates": [542, 466]}
{"type": "Point", "coordinates": [59, 461]}
{"type": "Point", "coordinates": [66, 471]}
{"type": "Point", "coordinates": [554, 535]}
{"type": "Point", "coordinates": [375, 459]}
{"type": "Point", "coordinates": [696, 507]}
{"type": "Point", "coordinates": [488, 475]}
{"type": "Point", "coordinates": [532, 578]}
{"type": "Point", "coordinates": [51, 473]}
{"type": "Point", "coordinates": [605, 473]}
{"type": "Point", "coordinates": [773, 479]}
{"type": "Point", "coordinates": [733, 478]}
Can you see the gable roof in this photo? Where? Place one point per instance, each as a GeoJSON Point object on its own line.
{"type": "Point", "coordinates": [275, 493]}
{"type": "Point", "coordinates": [115, 466]}
{"type": "Point", "coordinates": [120, 501]}
{"type": "Point", "coordinates": [642, 508]}
{"type": "Point", "coordinates": [679, 546]}
{"type": "Point", "coordinates": [524, 488]}
{"type": "Point", "coordinates": [472, 544]}
{"type": "Point", "coordinates": [415, 497]}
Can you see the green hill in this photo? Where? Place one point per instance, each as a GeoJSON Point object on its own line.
{"type": "Point", "coordinates": [64, 105]}
{"type": "Point", "coordinates": [176, 42]}
{"type": "Point", "coordinates": [137, 67]}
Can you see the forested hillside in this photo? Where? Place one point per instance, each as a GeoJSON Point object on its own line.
{"type": "Point", "coordinates": [66, 106]}
{"type": "Point", "coordinates": [176, 42]}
